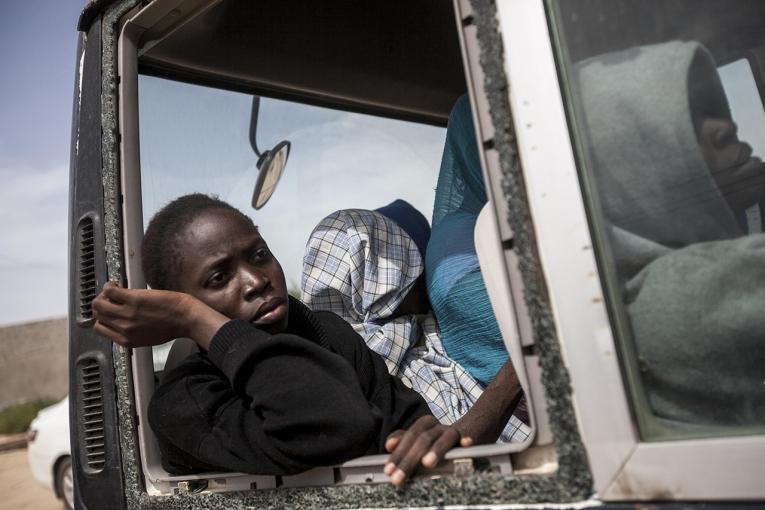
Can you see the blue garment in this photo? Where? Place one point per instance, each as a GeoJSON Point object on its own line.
{"type": "Point", "coordinates": [410, 220]}
{"type": "Point", "coordinates": [469, 330]}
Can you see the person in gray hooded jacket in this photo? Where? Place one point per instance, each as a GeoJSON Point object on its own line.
{"type": "Point", "coordinates": [672, 181]}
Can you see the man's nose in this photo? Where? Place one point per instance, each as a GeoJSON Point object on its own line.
{"type": "Point", "coordinates": [254, 282]}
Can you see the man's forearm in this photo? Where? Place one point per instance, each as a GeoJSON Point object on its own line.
{"type": "Point", "coordinates": [203, 322]}
{"type": "Point", "coordinates": [484, 422]}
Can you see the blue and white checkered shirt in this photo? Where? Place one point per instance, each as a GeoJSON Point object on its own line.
{"type": "Point", "coordinates": [360, 265]}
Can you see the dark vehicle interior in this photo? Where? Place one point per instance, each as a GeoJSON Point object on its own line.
{"type": "Point", "coordinates": [397, 59]}
{"type": "Point", "coordinates": [729, 33]}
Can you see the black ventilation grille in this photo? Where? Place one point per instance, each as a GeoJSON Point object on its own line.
{"type": "Point", "coordinates": [86, 268]}
{"type": "Point", "coordinates": [91, 410]}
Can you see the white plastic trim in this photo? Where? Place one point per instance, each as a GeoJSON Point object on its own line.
{"type": "Point", "coordinates": [563, 237]}
{"type": "Point", "coordinates": [712, 469]}
{"type": "Point", "coordinates": [132, 207]}
{"type": "Point", "coordinates": [491, 258]}
{"type": "Point", "coordinates": [130, 176]}
{"type": "Point", "coordinates": [498, 268]}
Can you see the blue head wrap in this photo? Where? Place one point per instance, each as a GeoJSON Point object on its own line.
{"type": "Point", "coordinates": [410, 220]}
{"type": "Point", "coordinates": [469, 331]}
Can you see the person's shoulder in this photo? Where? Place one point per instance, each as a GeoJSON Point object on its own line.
{"type": "Point", "coordinates": [341, 336]}
{"type": "Point", "coordinates": [338, 328]}
{"type": "Point", "coordinates": [194, 380]}
{"type": "Point", "coordinates": [318, 325]}
{"type": "Point", "coordinates": [195, 367]}
{"type": "Point", "coordinates": [188, 365]}
{"type": "Point", "coordinates": [331, 319]}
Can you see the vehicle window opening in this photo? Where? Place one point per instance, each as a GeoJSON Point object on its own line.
{"type": "Point", "coordinates": [193, 154]}
{"type": "Point", "coordinates": [188, 154]}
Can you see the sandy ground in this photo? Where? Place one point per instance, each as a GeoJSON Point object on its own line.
{"type": "Point", "coordinates": [18, 490]}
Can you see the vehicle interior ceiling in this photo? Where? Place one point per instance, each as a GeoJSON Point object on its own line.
{"type": "Point", "coordinates": [402, 59]}
{"type": "Point", "coordinates": [392, 58]}
{"type": "Point", "coordinates": [728, 29]}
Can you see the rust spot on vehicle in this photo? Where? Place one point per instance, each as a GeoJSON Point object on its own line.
{"type": "Point", "coordinates": [630, 486]}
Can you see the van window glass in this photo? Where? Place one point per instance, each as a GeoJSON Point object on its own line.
{"type": "Point", "coordinates": [747, 110]}
{"type": "Point", "coordinates": [196, 139]}
{"type": "Point", "coordinates": [669, 126]}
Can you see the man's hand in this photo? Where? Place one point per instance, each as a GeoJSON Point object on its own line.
{"type": "Point", "coordinates": [425, 442]}
{"type": "Point", "coordinates": [142, 318]}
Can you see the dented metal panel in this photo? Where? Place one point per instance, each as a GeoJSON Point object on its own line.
{"type": "Point", "coordinates": [94, 422]}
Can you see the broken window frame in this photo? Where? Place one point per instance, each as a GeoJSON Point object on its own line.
{"type": "Point", "coordinates": [148, 23]}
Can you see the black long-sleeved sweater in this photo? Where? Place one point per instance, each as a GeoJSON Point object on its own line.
{"type": "Point", "coordinates": [279, 404]}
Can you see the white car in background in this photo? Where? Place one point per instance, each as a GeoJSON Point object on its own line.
{"type": "Point", "coordinates": [48, 451]}
{"type": "Point", "coordinates": [48, 448]}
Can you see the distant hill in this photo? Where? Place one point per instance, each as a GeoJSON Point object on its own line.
{"type": "Point", "coordinates": [33, 361]}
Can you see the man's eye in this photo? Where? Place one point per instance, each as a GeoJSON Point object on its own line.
{"type": "Point", "coordinates": [216, 280]}
{"type": "Point", "coordinates": [262, 254]}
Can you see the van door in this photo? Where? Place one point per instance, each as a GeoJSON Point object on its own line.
{"type": "Point", "coordinates": [164, 96]}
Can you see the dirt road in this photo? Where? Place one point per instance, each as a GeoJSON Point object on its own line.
{"type": "Point", "coordinates": [18, 490]}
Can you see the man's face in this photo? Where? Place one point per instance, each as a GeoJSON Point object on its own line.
{"type": "Point", "coordinates": [740, 177]}
{"type": "Point", "coordinates": [227, 265]}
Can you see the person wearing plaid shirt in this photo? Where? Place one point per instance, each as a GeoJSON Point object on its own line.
{"type": "Point", "coordinates": [363, 266]}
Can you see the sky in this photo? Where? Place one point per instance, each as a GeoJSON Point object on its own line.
{"type": "Point", "coordinates": [195, 139]}
{"type": "Point", "coordinates": [745, 105]}
{"type": "Point", "coordinates": [38, 42]}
